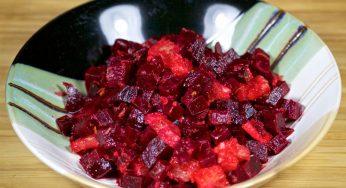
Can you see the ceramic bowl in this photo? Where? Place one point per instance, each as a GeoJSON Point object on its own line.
{"type": "Point", "coordinates": [64, 48]}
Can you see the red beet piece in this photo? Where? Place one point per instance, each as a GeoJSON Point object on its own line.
{"type": "Point", "coordinates": [248, 110]}
{"type": "Point", "coordinates": [93, 79]}
{"type": "Point", "coordinates": [210, 177]}
{"type": "Point", "coordinates": [81, 128]}
{"type": "Point", "coordinates": [273, 121]}
{"type": "Point", "coordinates": [173, 110]}
{"type": "Point", "coordinates": [277, 144]}
{"type": "Point", "coordinates": [293, 110]}
{"type": "Point", "coordinates": [124, 47]}
{"type": "Point", "coordinates": [130, 181]}
{"type": "Point", "coordinates": [277, 93]}
{"type": "Point", "coordinates": [103, 118]}
{"type": "Point", "coordinates": [142, 101]}
{"type": "Point", "coordinates": [207, 158]}
{"type": "Point", "coordinates": [65, 124]}
{"type": "Point", "coordinates": [220, 134]}
{"type": "Point", "coordinates": [124, 158]}
{"type": "Point", "coordinates": [74, 100]}
{"type": "Point", "coordinates": [219, 117]}
{"type": "Point", "coordinates": [261, 62]}
{"type": "Point", "coordinates": [154, 151]}
{"type": "Point", "coordinates": [105, 137]}
{"type": "Point", "coordinates": [95, 165]}
{"type": "Point", "coordinates": [258, 149]}
{"type": "Point", "coordinates": [147, 135]}
{"type": "Point", "coordinates": [149, 74]}
{"type": "Point", "coordinates": [128, 94]}
{"type": "Point", "coordinates": [196, 50]}
{"type": "Point", "coordinates": [198, 105]}
{"type": "Point", "coordinates": [118, 73]}
{"type": "Point", "coordinates": [287, 131]}
{"type": "Point", "coordinates": [246, 171]}
{"type": "Point", "coordinates": [136, 118]}
{"type": "Point", "coordinates": [159, 171]}
{"type": "Point", "coordinates": [85, 143]}
{"type": "Point", "coordinates": [184, 151]}
{"type": "Point", "coordinates": [165, 129]}
{"type": "Point", "coordinates": [170, 85]}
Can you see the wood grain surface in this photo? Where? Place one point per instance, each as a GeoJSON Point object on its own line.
{"type": "Point", "coordinates": [325, 166]}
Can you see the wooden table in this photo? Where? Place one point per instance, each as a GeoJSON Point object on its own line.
{"type": "Point", "coordinates": [325, 166]}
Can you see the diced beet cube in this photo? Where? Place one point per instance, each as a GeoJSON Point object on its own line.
{"type": "Point", "coordinates": [198, 105]}
{"type": "Point", "coordinates": [198, 81]}
{"type": "Point", "coordinates": [232, 107]}
{"type": "Point", "coordinates": [219, 66]}
{"type": "Point", "coordinates": [147, 135]}
{"type": "Point", "coordinates": [196, 49]}
{"type": "Point", "coordinates": [93, 79]}
{"type": "Point", "coordinates": [207, 158]}
{"type": "Point", "coordinates": [136, 118]}
{"type": "Point", "coordinates": [246, 171]}
{"type": "Point", "coordinates": [258, 149]}
{"type": "Point", "coordinates": [128, 94]}
{"type": "Point", "coordinates": [273, 121]}
{"type": "Point", "coordinates": [182, 172]}
{"type": "Point", "coordinates": [255, 88]}
{"type": "Point", "coordinates": [184, 151]}
{"type": "Point", "coordinates": [277, 144]}
{"type": "Point", "coordinates": [138, 168]}
{"type": "Point", "coordinates": [85, 143]}
{"type": "Point", "coordinates": [154, 151]}
{"type": "Point", "coordinates": [74, 100]}
{"type": "Point", "coordinates": [189, 96]}
{"type": "Point", "coordinates": [103, 118]}
{"type": "Point", "coordinates": [287, 131]}
{"type": "Point", "coordinates": [173, 110]}
{"type": "Point", "coordinates": [121, 112]}
{"type": "Point", "coordinates": [81, 128]}
{"type": "Point", "coordinates": [124, 158]}
{"type": "Point", "coordinates": [293, 109]}
{"type": "Point", "coordinates": [221, 133]}
{"type": "Point", "coordinates": [159, 171]}
{"type": "Point", "coordinates": [142, 101]}
{"type": "Point", "coordinates": [105, 137]}
{"type": "Point", "coordinates": [95, 165]}
{"type": "Point", "coordinates": [130, 181]}
{"type": "Point", "coordinates": [170, 85]}
{"type": "Point", "coordinates": [230, 56]}
{"type": "Point", "coordinates": [122, 46]}
{"type": "Point", "coordinates": [261, 62]}
{"type": "Point", "coordinates": [65, 124]}
{"type": "Point", "coordinates": [149, 74]}
{"type": "Point", "coordinates": [219, 117]}
{"type": "Point", "coordinates": [118, 73]}
{"type": "Point", "coordinates": [213, 176]}
{"type": "Point", "coordinates": [248, 110]}
{"type": "Point", "coordinates": [277, 93]}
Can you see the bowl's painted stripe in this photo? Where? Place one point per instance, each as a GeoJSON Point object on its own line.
{"type": "Point", "coordinates": [45, 124]}
{"type": "Point", "coordinates": [38, 98]}
{"type": "Point", "coordinates": [293, 40]}
{"type": "Point", "coordinates": [273, 21]}
{"type": "Point", "coordinates": [328, 68]}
